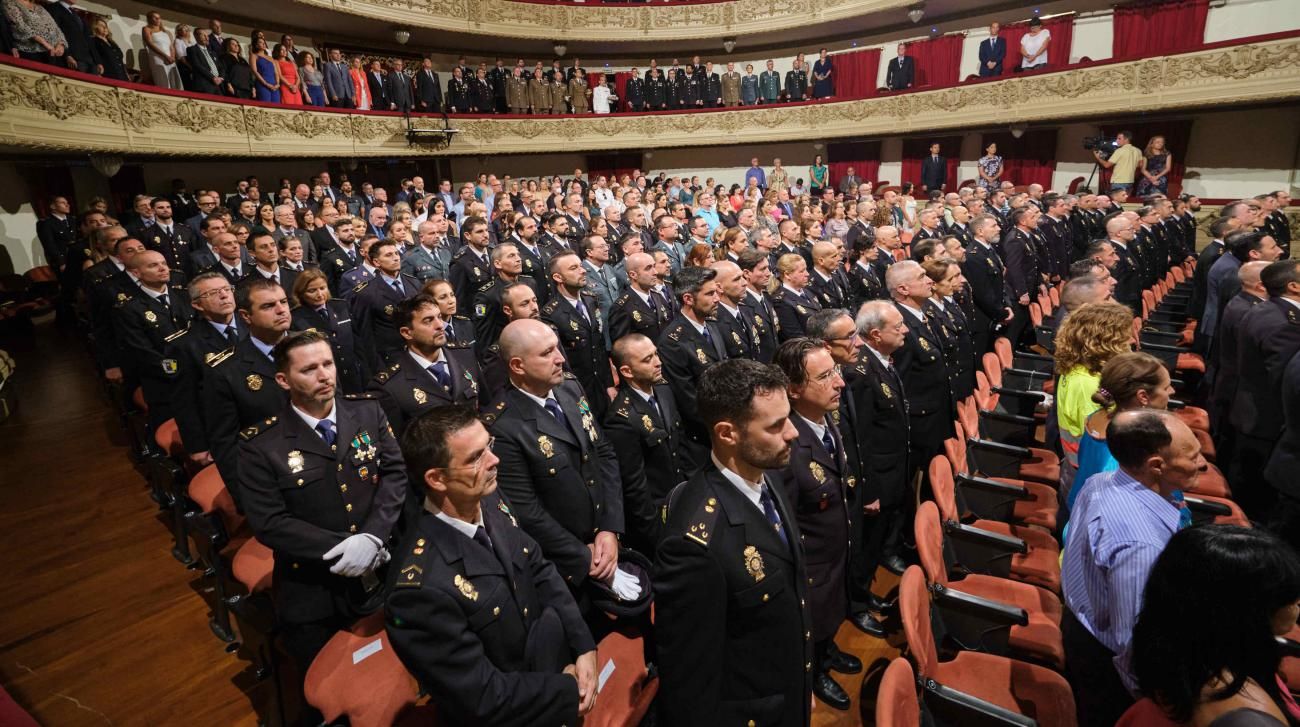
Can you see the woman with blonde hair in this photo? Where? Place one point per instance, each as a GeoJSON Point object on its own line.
{"type": "Point", "coordinates": [1085, 343]}
{"type": "Point", "coordinates": [109, 61]}
{"type": "Point", "coordinates": [161, 53]}
{"type": "Point", "coordinates": [734, 241]}
{"type": "Point", "coordinates": [1154, 167]}
{"type": "Point", "coordinates": [184, 39]}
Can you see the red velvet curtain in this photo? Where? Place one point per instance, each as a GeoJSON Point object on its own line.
{"type": "Point", "coordinates": [1177, 133]}
{"type": "Point", "coordinates": [1159, 27]}
{"type": "Point", "coordinates": [620, 85]}
{"type": "Point", "coordinates": [1031, 159]}
{"type": "Point", "coordinates": [914, 150]}
{"type": "Point", "coordinates": [863, 156]}
{"type": "Point", "coordinates": [856, 73]}
{"type": "Point", "coordinates": [937, 60]}
{"type": "Point", "coordinates": [1058, 53]}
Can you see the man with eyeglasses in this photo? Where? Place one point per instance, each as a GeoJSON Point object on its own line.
{"type": "Point", "coordinates": [213, 331]}
{"type": "Point", "coordinates": [206, 202]}
{"type": "Point", "coordinates": [323, 484]}
{"type": "Point", "coordinates": [431, 372]}
{"type": "Point", "coordinates": [475, 611]}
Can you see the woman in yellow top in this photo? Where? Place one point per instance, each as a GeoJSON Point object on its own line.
{"type": "Point", "coordinates": [1090, 337]}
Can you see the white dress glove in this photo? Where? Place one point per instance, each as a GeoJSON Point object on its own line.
{"type": "Point", "coordinates": [356, 555]}
{"type": "Point", "coordinates": [626, 586]}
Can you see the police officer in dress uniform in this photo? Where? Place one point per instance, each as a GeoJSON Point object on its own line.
{"type": "Point", "coordinates": [733, 623]}
{"type": "Point", "coordinates": [475, 611]}
{"type": "Point", "coordinates": [323, 486]}
{"type": "Point", "coordinates": [213, 331]}
{"type": "Point", "coordinates": [656, 90]}
{"type": "Point", "coordinates": [518, 301]}
{"type": "Point", "coordinates": [105, 285]}
{"type": "Point", "coordinates": [691, 343]}
{"type": "Point", "coordinates": [825, 283]}
{"type": "Point", "coordinates": [489, 318]}
{"type": "Point", "coordinates": [635, 92]}
{"type": "Point", "coordinates": [739, 335]}
{"type": "Point", "coordinates": [175, 240]}
{"type": "Point", "coordinates": [756, 305]}
{"type": "Point", "coordinates": [575, 315]}
{"type": "Point", "coordinates": [533, 257]}
{"type": "Point", "coordinates": [819, 485]}
{"type": "Point", "coordinates": [144, 323]}
{"type": "Point", "coordinates": [458, 101]}
{"type": "Point", "coordinates": [984, 271]}
{"type": "Point", "coordinates": [238, 388]}
{"type": "Point", "coordinates": [341, 259]}
{"type": "Point", "coordinates": [470, 265]}
{"type": "Point", "coordinates": [558, 470]}
{"type": "Point", "coordinates": [864, 279]}
{"type": "Point", "coordinates": [921, 366]}
{"type": "Point", "coordinates": [431, 372]}
{"type": "Point", "coordinates": [880, 400]}
{"type": "Point", "coordinates": [373, 303]}
{"type": "Point", "coordinates": [793, 301]}
{"type": "Point", "coordinates": [641, 309]}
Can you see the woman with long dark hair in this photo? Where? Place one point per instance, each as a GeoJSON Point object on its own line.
{"type": "Point", "coordinates": [1205, 644]}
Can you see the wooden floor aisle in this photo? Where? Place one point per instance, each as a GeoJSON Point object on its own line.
{"type": "Point", "coordinates": [99, 625]}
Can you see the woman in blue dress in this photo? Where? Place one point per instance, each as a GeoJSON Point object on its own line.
{"type": "Point", "coordinates": [990, 168]}
{"type": "Point", "coordinates": [1154, 168]}
{"type": "Point", "coordinates": [266, 73]}
{"type": "Point", "coordinates": [823, 84]}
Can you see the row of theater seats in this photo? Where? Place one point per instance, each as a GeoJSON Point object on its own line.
{"type": "Point", "coordinates": [981, 613]}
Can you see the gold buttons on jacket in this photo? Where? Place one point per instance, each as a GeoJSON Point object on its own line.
{"type": "Point", "coordinates": [343, 487]}
{"type": "Point", "coordinates": [348, 507]}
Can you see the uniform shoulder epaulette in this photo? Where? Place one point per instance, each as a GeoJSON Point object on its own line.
{"type": "Point", "coordinates": [123, 299]}
{"type": "Point", "coordinates": [569, 375]}
{"type": "Point", "coordinates": [700, 526]}
{"type": "Point", "coordinates": [221, 357]}
{"type": "Point", "coordinates": [363, 396]}
{"type": "Point", "coordinates": [250, 432]}
{"type": "Point", "coordinates": [457, 344]}
{"type": "Point", "coordinates": [675, 333]}
{"type": "Point", "coordinates": [551, 305]}
{"type": "Point", "coordinates": [382, 376]}
{"type": "Point", "coordinates": [487, 286]}
{"type": "Point", "coordinates": [177, 334]}
{"type": "Point", "coordinates": [495, 410]}
{"type": "Point", "coordinates": [623, 405]}
{"type": "Point", "coordinates": [360, 286]}
{"type": "Point", "coordinates": [621, 299]}
{"type": "Point", "coordinates": [411, 574]}
{"type": "Point", "coordinates": [459, 317]}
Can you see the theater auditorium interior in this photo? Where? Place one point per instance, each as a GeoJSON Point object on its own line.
{"type": "Point", "coordinates": [650, 362]}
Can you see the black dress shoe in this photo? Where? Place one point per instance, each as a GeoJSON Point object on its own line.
{"type": "Point", "coordinates": [895, 564]}
{"type": "Point", "coordinates": [841, 662]}
{"type": "Point", "coordinates": [868, 624]}
{"type": "Point", "coordinates": [879, 605]}
{"type": "Point", "coordinates": [831, 693]}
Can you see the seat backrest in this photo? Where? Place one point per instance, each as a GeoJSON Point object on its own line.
{"type": "Point", "coordinates": [1035, 314]}
{"type": "Point", "coordinates": [969, 418]}
{"type": "Point", "coordinates": [1002, 347]}
{"type": "Point", "coordinates": [371, 690]}
{"type": "Point", "coordinates": [1055, 294]}
{"type": "Point", "coordinates": [1145, 713]}
{"type": "Point", "coordinates": [897, 704]}
{"type": "Point", "coordinates": [914, 609]}
{"type": "Point", "coordinates": [929, 543]}
{"type": "Point", "coordinates": [993, 368]}
{"type": "Point", "coordinates": [955, 450]}
{"type": "Point", "coordinates": [626, 695]}
{"type": "Point", "coordinates": [944, 488]}
{"type": "Point", "coordinates": [984, 396]}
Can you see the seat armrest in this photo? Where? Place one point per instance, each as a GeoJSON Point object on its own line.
{"type": "Point", "coordinates": [983, 607]}
{"type": "Point", "coordinates": [1147, 346]}
{"type": "Point", "coordinates": [1007, 417]}
{"type": "Point", "coordinates": [1009, 450]}
{"type": "Point", "coordinates": [987, 537]}
{"type": "Point", "coordinates": [1036, 396]}
{"type": "Point", "coordinates": [1205, 507]}
{"type": "Point", "coordinates": [1288, 647]}
{"type": "Point", "coordinates": [950, 706]}
{"type": "Point", "coordinates": [1017, 491]}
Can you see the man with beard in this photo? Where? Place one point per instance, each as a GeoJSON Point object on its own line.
{"type": "Point", "coordinates": [731, 584]}
{"type": "Point", "coordinates": [575, 315]}
{"type": "Point", "coordinates": [518, 302]}
{"type": "Point", "coordinates": [489, 318]}
{"type": "Point", "coordinates": [692, 343]}
{"type": "Point", "coordinates": [323, 484]}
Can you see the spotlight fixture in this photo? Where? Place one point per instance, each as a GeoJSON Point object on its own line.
{"type": "Point", "coordinates": [916, 13]}
{"type": "Point", "coordinates": [107, 164]}
{"type": "Point", "coordinates": [1018, 130]}
{"type": "Point", "coordinates": [560, 49]}
{"type": "Point", "coordinates": [728, 44]}
{"type": "Point", "coordinates": [402, 36]}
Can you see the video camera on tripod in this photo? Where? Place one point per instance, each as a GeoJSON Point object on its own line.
{"type": "Point", "coordinates": [1100, 144]}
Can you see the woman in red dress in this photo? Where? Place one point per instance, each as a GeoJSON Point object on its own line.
{"type": "Point", "coordinates": [290, 79]}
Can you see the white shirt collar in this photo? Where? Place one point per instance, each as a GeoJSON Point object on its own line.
{"type": "Point", "coordinates": [917, 314]}
{"type": "Point", "coordinates": [550, 396]}
{"type": "Point", "coordinates": [735, 312]}
{"type": "Point", "coordinates": [699, 327]}
{"type": "Point", "coordinates": [469, 530]}
{"type": "Point", "coordinates": [311, 421]}
{"type": "Point", "coordinates": [882, 358]}
{"type": "Point", "coordinates": [819, 430]}
{"type": "Point", "coordinates": [425, 363]}
{"type": "Point", "coordinates": [753, 491]}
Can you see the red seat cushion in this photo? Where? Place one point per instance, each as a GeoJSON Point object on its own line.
{"type": "Point", "coordinates": [137, 398]}
{"type": "Point", "coordinates": [1041, 638]}
{"type": "Point", "coordinates": [168, 438]}
{"type": "Point", "coordinates": [1038, 567]}
{"type": "Point", "coordinates": [1194, 417]}
{"type": "Point", "coordinates": [1145, 713]}
{"type": "Point", "coordinates": [252, 565]}
{"type": "Point", "coordinates": [1043, 466]}
{"type": "Point", "coordinates": [372, 691]}
{"type": "Point", "coordinates": [1212, 483]}
{"type": "Point", "coordinates": [1033, 691]}
{"type": "Point", "coordinates": [1190, 362]}
{"type": "Point", "coordinates": [1041, 509]}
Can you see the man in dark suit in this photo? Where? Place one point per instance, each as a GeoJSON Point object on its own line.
{"type": "Point", "coordinates": [985, 273]}
{"type": "Point", "coordinates": [323, 485]}
{"type": "Point", "coordinates": [1221, 360]}
{"type": "Point", "coordinates": [428, 89]}
{"type": "Point", "coordinates": [796, 83]}
{"type": "Point", "coordinates": [1270, 336]}
{"type": "Point", "coordinates": [374, 302]}
{"type": "Point", "coordinates": [238, 389]}
{"type": "Point", "coordinates": [1127, 271]}
{"type": "Point", "coordinates": [757, 272]}
{"type": "Point", "coordinates": [993, 50]}
{"type": "Point", "coordinates": [105, 285]}
{"type": "Point", "coordinates": [1208, 256]}
{"type": "Point", "coordinates": [739, 336]}
{"type": "Point", "coordinates": [1285, 460]}
{"type": "Point", "coordinates": [819, 484]}
{"type": "Point", "coordinates": [575, 315]}
{"type": "Point", "coordinates": [205, 74]}
{"type": "Point", "coordinates": [378, 86]}
{"type": "Point", "coordinates": [645, 428]}
{"type": "Point", "coordinates": [467, 562]}
{"type": "Point", "coordinates": [169, 237]}
{"type": "Point", "coordinates": [397, 88]}
{"type": "Point", "coordinates": [731, 599]}
{"type": "Point", "coordinates": [881, 403]}
{"type": "Point", "coordinates": [76, 54]}
{"type": "Point", "coordinates": [934, 170]}
{"type": "Point", "coordinates": [691, 343]}
{"type": "Point", "coordinates": [558, 470]}
{"type": "Point", "coordinates": [640, 309]}
{"type": "Point", "coordinates": [1024, 274]}
{"type": "Point", "coordinates": [921, 368]}
{"type": "Point", "coordinates": [901, 72]}
{"type": "Point", "coordinates": [489, 317]}
{"type": "Point", "coordinates": [338, 82]}
{"type": "Point", "coordinates": [431, 372]}
{"type": "Point", "coordinates": [56, 232]}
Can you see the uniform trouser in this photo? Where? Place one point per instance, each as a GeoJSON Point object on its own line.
{"type": "Point", "coordinates": [1249, 489]}
{"type": "Point", "coordinates": [518, 109]}
{"type": "Point", "coordinates": [880, 534]}
{"type": "Point", "coordinates": [1018, 325]}
{"type": "Point", "coordinates": [1099, 696]}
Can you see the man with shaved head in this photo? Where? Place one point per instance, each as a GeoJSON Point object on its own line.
{"type": "Point", "coordinates": [558, 471]}
{"type": "Point", "coordinates": [825, 283]}
{"type": "Point", "coordinates": [1222, 368]}
{"type": "Point", "coordinates": [738, 332]}
{"type": "Point", "coordinates": [641, 309]}
{"type": "Point", "coordinates": [1120, 233]}
{"type": "Point", "coordinates": [144, 323]}
{"type": "Point", "coordinates": [887, 240]}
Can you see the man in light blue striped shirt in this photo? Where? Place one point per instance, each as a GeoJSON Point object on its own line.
{"type": "Point", "coordinates": [1119, 526]}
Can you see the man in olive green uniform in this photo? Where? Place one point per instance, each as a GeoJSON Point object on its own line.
{"type": "Point", "coordinates": [731, 86]}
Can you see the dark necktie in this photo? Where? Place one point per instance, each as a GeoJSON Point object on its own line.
{"type": "Point", "coordinates": [553, 407]}
{"type": "Point", "coordinates": [773, 517]}
{"type": "Point", "coordinates": [654, 402]}
{"type": "Point", "coordinates": [439, 371]}
{"type": "Point", "coordinates": [324, 312]}
{"type": "Point", "coordinates": [481, 537]}
{"type": "Point", "coordinates": [232, 334]}
{"type": "Point", "coordinates": [708, 337]}
{"type": "Point", "coordinates": [397, 285]}
{"type": "Point", "coordinates": [326, 429]}
{"type": "Point", "coordinates": [828, 441]}
{"type": "Point", "coordinates": [654, 307]}
{"type": "Point", "coordinates": [582, 311]}
{"type": "Point", "coordinates": [166, 303]}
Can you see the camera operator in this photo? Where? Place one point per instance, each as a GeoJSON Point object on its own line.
{"type": "Point", "coordinates": [1122, 162]}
